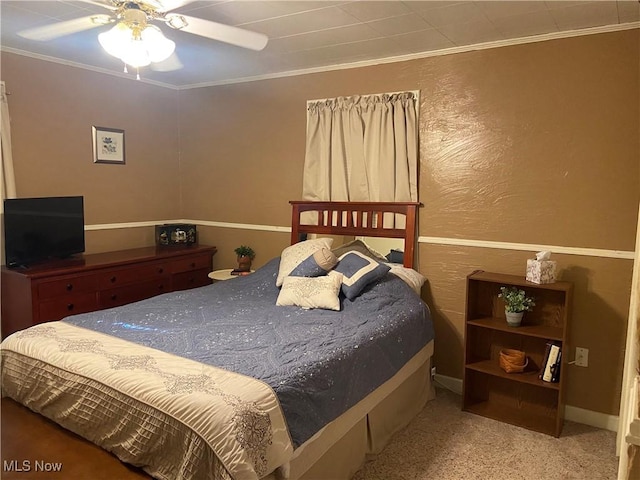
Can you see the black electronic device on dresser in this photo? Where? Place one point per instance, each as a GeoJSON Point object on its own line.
{"type": "Point", "coordinates": [38, 229]}
{"type": "Point", "coordinates": [176, 234]}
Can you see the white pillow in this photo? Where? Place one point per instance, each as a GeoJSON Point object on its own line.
{"type": "Point", "coordinates": [411, 277]}
{"type": "Point", "coordinates": [311, 292]}
{"type": "Point", "coordinates": [295, 254]}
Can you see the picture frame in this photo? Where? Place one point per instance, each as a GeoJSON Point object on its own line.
{"type": "Point", "coordinates": [108, 145]}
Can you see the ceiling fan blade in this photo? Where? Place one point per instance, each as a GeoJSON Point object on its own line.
{"type": "Point", "coordinates": [60, 29]}
{"type": "Point", "coordinates": [169, 65]}
{"type": "Point", "coordinates": [224, 33]}
{"type": "Point", "coordinates": [105, 4]}
{"type": "Point", "coordinates": [167, 5]}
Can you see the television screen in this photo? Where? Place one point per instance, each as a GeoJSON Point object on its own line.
{"type": "Point", "coordinates": [38, 229]}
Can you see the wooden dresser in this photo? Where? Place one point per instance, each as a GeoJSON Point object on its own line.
{"type": "Point", "coordinates": [57, 289]}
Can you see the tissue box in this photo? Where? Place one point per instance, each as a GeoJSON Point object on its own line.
{"type": "Point", "coordinates": [541, 271]}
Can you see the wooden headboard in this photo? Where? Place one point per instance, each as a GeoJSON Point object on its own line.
{"type": "Point", "coordinates": [357, 219]}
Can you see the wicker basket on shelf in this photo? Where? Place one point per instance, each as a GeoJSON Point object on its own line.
{"type": "Point", "coordinates": [513, 361]}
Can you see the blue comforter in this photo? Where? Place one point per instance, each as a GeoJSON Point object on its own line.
{"type": "Point", "coordinates": [319, 362]}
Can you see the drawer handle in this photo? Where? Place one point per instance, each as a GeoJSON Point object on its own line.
{"type": "Point", "coordinates": [69, 287]}
{"type": "Point", "coordinates": [161, 287]}
{"type": "Point", "coordinates": [161, 270]}
{"type": "Point", "coordinates": [114, 296]}
{"type": "Point", "coordinates": [113, 279]}
{"type": "Point", "coordinates": [70, 306]}
{"type": "Point", "coordinates": [193, 264]}
{"type": "Point", "coordinates": [192, 280]}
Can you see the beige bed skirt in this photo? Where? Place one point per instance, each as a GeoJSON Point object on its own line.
{"type": "Point", "coordinates": [340, 449]}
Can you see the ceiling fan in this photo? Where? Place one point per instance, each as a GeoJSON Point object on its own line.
{"type": "Point", "coordinates": [136, 40]}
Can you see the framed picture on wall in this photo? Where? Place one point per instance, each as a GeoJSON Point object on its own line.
{"type": "Point", "coordinates": [108, 145]}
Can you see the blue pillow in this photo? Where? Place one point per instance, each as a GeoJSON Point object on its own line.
{"type": "Point", "coordinates": [358, 271]}
{"type": "Point", "coordinates": [316, 264]}
{"type": "Point", "coordinates": [395, 256]}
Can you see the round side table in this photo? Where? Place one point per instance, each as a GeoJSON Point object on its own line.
{"type": "Point", "coordinates": [225, 274]}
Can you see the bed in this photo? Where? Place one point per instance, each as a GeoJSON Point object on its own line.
{"type": "Point", "coordinates": [299, 370]}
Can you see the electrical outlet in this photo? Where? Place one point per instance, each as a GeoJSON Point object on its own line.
{"type": "Point", "coordinates": [582, 357]}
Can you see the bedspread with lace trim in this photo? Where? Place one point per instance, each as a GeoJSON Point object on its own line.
{"type": "Point", "coordinates": [173, 417]}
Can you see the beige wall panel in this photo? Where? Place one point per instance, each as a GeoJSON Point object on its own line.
{"type": "Point", "coordinates": [267, 245]}
{"type": "Point", "coordinates": [53, 108]}
{"type": "Point", "coordinates": [243, 146]}
{"type": "Point", "coordinates": [242, 152]}
{"type": "Point", "coordinates": [97, 241]}
{"type": "Point", "coordinates": [534, 143]}
{"type": "Point", "coordinates": [600, 310]}
{"type": "Point", "coordinates": [541, 137]}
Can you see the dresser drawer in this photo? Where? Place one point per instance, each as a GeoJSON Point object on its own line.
{"type": "Point", "coordinates": [67, 286]}
{"type": "Point", "coordinates": [186, 280]}
{"type": "Point", "coordinates": [133, 274]}
{"type": "Point", "coordinates": [191, 263]}
{"type": "Point", "coordinates": [67, 305]}
{"type": "Point", "coordinates": [115, 297]}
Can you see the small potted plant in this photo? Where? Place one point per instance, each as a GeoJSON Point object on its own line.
{"type": "Point", "coordinates": [516, 303]}
{"type": "Point", "coordinates": [245, 256]}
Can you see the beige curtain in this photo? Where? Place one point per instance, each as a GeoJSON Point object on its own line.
{"type": "Point", "coordinates": [8, 181]}
{"type": "Point", "coordinates": [362, 148]}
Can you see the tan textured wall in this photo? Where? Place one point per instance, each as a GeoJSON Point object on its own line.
{"type": "Point", "coordinates": [52, 109]}
{"type": "Point", "coordinates": [534, 143]}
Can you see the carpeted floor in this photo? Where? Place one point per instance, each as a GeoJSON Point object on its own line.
{"type": "Point", "coordinates": [444, 443]}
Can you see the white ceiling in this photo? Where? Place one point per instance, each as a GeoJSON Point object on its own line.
{"type": "Point", "coordinates": [315, 35]}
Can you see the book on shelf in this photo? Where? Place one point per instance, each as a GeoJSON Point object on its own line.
{"type": "Point", "coordinates": [555, 369]}
{"type": "Point", "coordinates": [550, 371]}
{"type": "Point", "coordinates": [240, 272]}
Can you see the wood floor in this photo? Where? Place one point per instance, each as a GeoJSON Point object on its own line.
{"type": "Point", "coordinates": [36, 448]}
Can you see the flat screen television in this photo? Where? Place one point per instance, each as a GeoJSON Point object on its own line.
{"type": "Point", "coordinates": [38, 229]}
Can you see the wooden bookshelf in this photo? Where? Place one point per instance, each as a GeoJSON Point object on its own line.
{"type": "Point", "coordinates": [517, 398]}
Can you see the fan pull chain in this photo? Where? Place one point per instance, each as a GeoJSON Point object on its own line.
{"type": "Point", "coordinates": [126, 70]}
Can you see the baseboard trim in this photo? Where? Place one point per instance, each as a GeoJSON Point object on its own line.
{"type": "Point", "coordinates": [450, 383]}
{"type": "Point", "coordinates": [573, 414]}
{"type": "Point", "coordinates": [589, 417]}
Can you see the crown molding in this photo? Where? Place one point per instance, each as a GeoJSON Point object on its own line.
{"type": "Point", "coordinates": [432, 53]}
{"type": "Point", "coordinates": [91, 68]}
{"type": "Point", "coordinates": [344, 66]}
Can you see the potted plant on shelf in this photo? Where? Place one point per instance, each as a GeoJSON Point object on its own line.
{"type": "Point", "coordinates": [516, 303]}
{"type": "Point", "coordinates": [245, 256]}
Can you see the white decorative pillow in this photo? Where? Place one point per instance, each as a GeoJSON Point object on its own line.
{"type": "Point", "coordinates": [311, 292]}
{"type": "Point", "coordinates": [359, 270]}
{"type": "Point", "coordinates": [410, 276]}
{"type": "Point", "coordinates": [295, 254]}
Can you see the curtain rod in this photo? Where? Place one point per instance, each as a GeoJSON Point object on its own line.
{"type": "Point", "coordinates": [415, 92]}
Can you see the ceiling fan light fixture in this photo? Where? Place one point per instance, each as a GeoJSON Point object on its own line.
{"type": "Point", "coordinates": [116, 40]}
{"type": "Point", "coordinates": [158, 46]}
{"type": "Point", "coordinates": [176, 21]}
{"type": "Point", "coordinates": [137, 54]}
{"type": "Point", "coordinates": [134, 47]}
{"type": "Point", "coordinates": [101, 19]}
